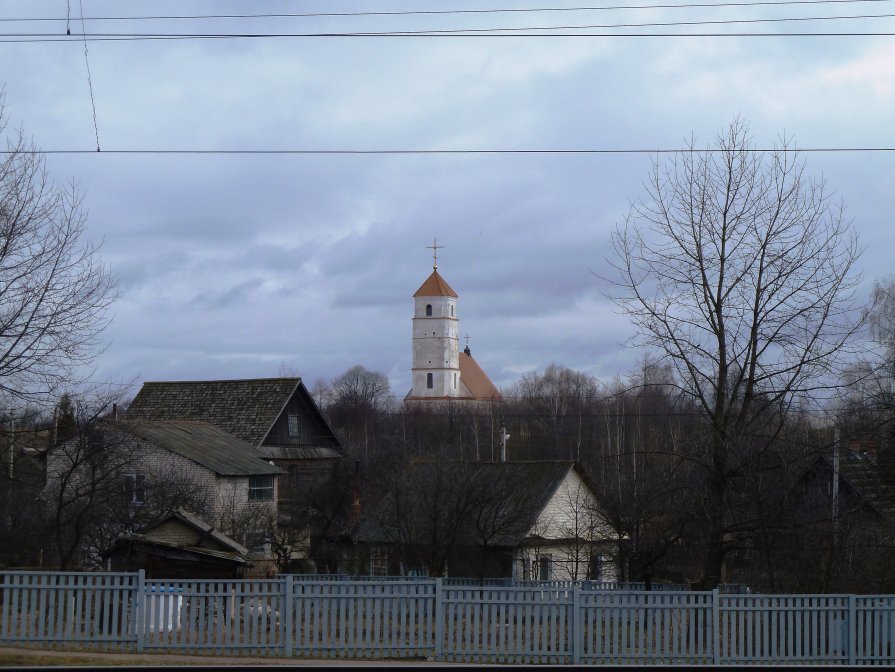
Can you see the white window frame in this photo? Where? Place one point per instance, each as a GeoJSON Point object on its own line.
{"type": "Point", "coordinates": [261, 490]}
{"type": "Point", "coordinates": [378, 561]}
{"type": "Point", "coordinates": [293, 425]}
{"type": "Point", "coordinates": [135, 488]}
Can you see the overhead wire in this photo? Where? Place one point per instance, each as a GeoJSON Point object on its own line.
{"type": "Point", "coordinates": [373, 152]}
{"type": "Point", "coordinates": [505, 31]}
{"type": "Point", "coordinates": [89, 78]}
{"type": "Point", "coordinates": [450, 12]}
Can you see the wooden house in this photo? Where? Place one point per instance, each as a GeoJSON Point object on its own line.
{"type": "Point", "coordinates": [130, 472]}
{"type": "Point", "coordinates": [275, 416]}
{"type": "Point", "coordinates": [525, 520]}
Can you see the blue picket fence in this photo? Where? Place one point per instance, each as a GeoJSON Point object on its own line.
{"type": "Point", "coordinates": [440, 619]}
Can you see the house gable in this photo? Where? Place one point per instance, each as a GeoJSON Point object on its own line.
{"type": "Point", "coordinates": [572, 511]}
{"type": "Point", "coordinates": [300, 431]}
{"type": "Point", "coordinates": [182, 528]}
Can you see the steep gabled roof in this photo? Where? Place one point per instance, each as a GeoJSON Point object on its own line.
{"type": "Point", "coordinates": [244, 408]}
{"type": "Point", "coordinates": [475, 379]}
{"type": "Point", "coordinates": [518, 493]}
{"type": "Point", "coordinates": [862, 476]}
{"type": "Point", "coordinates": [204, 444]}
{"type": "Point", "coordinates": [209, 541]}
{"type": "Point", "coordinates": [435, 285]}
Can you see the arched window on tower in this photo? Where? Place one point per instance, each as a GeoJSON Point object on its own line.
{"type": "Point", "coordinates": [429, 381]}
{"type": "Point", "coordinates": [452, 311]}
{"type": "Point", "coordinates": [428, 310]}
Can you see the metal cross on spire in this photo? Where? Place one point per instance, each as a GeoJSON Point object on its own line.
{"type": "Point", "coordinates": [434, 247]}
{"type": "Point", "coordinates": [467, 339]}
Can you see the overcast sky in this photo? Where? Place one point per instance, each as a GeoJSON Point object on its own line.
{"type": "Point", "coordinates": [230, 265]}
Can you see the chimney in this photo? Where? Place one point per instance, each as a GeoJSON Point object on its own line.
{"type": "Point", "coordinates": [114, 412]}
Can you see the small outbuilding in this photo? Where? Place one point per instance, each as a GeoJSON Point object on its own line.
{"type": "Point", "coordinates": [180, 546]}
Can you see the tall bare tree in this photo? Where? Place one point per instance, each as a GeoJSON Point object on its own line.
{"type": "Point", "coordinates": [738, 268]}
{"type": "Point", "coordinates": [54, 289]}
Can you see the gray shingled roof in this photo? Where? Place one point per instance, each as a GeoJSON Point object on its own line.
{"type": "Point", "coordinates": [244, 408]}
{"type": "Point", "coordinates": [528, 486]}
{"type": "Point", "coordinates": [204, 444]}
{"type": "Point", "coordinates": [862, 474]}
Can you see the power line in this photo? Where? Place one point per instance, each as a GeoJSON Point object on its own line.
{"type": "Point", "coordinates": [449, 12]}
{"type": "Point", "coordinates": [399, 152]}
{"type": "Point", "coordinates": [89, 78]}
{"type": "Point", "coordinates": [25, 37]}
{"type": "Point", "coordinates": [137, 37]}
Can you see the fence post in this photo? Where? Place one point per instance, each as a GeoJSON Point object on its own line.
{"type": "Point", "coordinates": [716, 626]}
{"type": "Point", "coordinates": [577, 626]}
{"type": "Point", "coordinates": [140, 609]}
{"type": "Point", "coordinates": [851, 634]}
{"type": "Point", "coordinates": [288, 608]}
{"type": "Point", "coordinates": [439, 619]}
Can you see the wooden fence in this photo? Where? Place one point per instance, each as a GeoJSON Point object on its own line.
{"type": "Point", "coordinates": [440, 619]}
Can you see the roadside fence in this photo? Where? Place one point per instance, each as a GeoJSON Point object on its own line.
{"type": "Point", "coordinates": [449, 620]}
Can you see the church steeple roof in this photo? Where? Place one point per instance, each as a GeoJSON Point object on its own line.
{"type": "Point", "coordinates": [435, 285]}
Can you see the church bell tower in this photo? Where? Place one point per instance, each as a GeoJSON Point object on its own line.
{"type": "Point", "coordinates": [436, 339]}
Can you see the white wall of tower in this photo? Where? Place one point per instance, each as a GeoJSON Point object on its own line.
{"type": "Point", "coordinates": [436, 347]}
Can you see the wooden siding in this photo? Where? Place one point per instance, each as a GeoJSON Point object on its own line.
{"type": "Point", "coordinates": [312, 431]}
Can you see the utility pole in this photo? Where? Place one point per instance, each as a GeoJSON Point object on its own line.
{"type": "Point", "coordinates": [12, 447]}
{"type": "Point", "coordinates": [504, 437]}
{"type": "Point", "coordinates": [834, 513]}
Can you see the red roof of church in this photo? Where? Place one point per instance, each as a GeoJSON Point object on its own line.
{"type": "Point", "coordinates": [475, 379]}
{"type": "Point", "coordinates": [435, 285]}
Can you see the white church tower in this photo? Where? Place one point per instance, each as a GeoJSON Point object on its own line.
{"type": "Point", "coordinates": [440, 370]}
{"type": "Point", "coordinates": [436, 339]}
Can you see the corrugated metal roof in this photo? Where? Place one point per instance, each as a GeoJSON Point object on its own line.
{"type": "Point", "coordinates": [298, 452]}
{"type": "Point", "coordinates": [435, 285]}
{"type": "Point", "coordinates": [204, 444]}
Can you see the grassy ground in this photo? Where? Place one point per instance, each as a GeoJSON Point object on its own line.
{"type": "Point", "coordinates": [11, 657]}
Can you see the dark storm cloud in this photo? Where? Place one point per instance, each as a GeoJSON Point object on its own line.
{"type": "Point", "coordinates": [230, 265]}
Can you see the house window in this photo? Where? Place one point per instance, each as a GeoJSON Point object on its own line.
{"type": "Point", "coordinates": [428, 310]}
{"type": "Point", "coordinates": [135, 488]}
{"type": "Point", "coordinates": [258, 543]}
{"type": "Point", "coordinates": [260, 488]}
{"type": "Point", "coordinates": [294, 475]}
{"type": "Point", "coordinates": [544, 569]}
{"type": "Point", "coordinates": [526, 569]}
{"type": "Point", "coordinates": [292, 421]}
{"type": "Point", "coordinates": [430, 383]}
{"type": "Point", "coordinates": [378, 561]}
{"type": "Point", "coordinates": [595, 568]}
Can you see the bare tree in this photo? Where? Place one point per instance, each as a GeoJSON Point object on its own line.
{"type": "Point", "coordinates": [739, 269]}
{"type": "Point", "coordinates": [359, 398]}
{"type": "Point", "coordinates": [360, 387]}
{"type": "Point", "coordinates": [54, 290]}
{"type": "Point", "coordinates": [559, 400]}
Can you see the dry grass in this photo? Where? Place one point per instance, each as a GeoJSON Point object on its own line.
{"type": "Point", "coordinates": [11, 657]}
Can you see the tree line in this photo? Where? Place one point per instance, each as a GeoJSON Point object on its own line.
{"type": "Point", "coordinates": [738, 270]}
